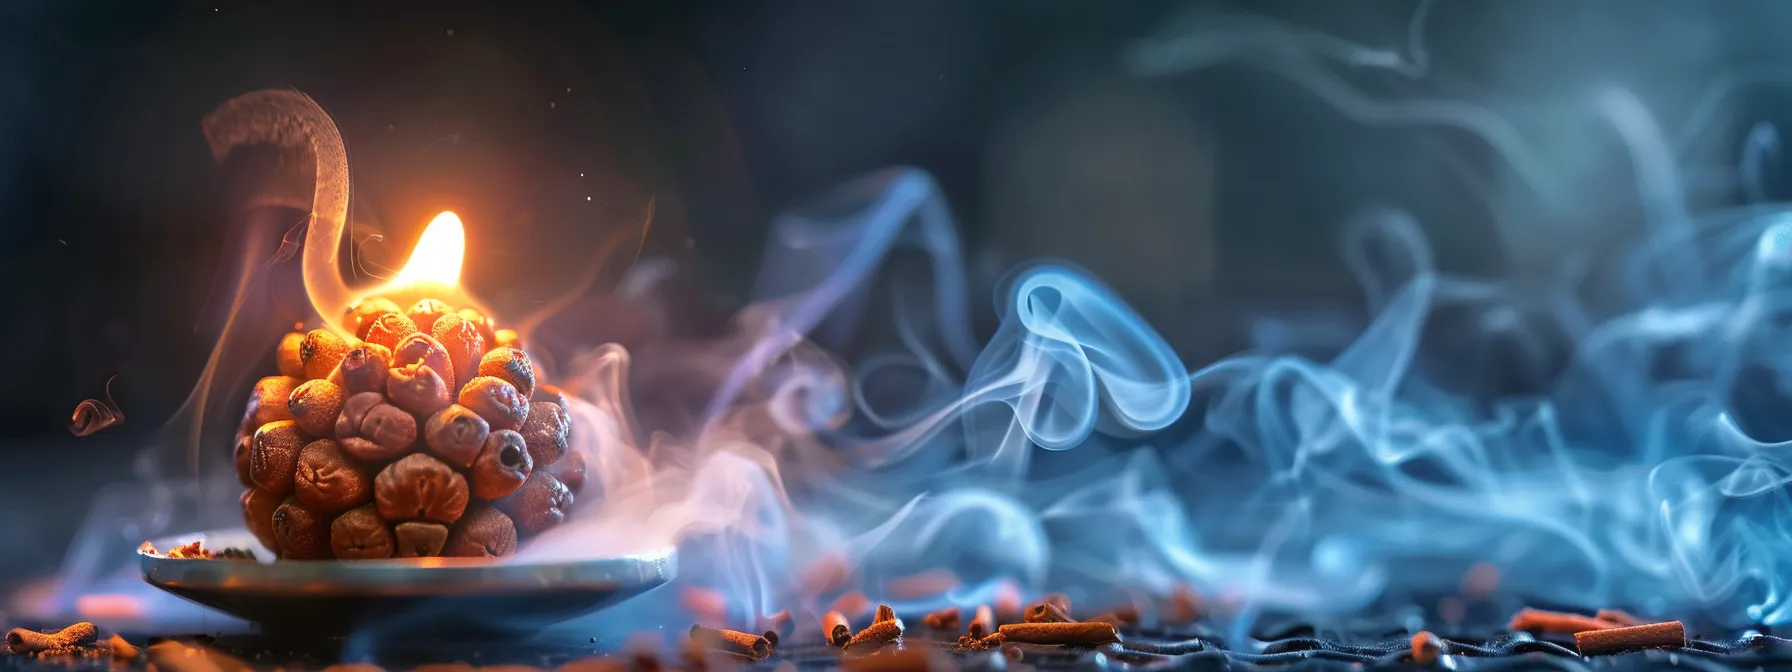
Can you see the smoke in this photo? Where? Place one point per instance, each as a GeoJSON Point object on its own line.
{"type": "Point", "coordinates": [1074, 451]}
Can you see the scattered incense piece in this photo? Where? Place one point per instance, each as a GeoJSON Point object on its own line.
{"type": "Point", "coordinates": [884, 613]}
{"type": "Point", "coordinates": [944, 619]}
{"type": "Point", "coordinates": [908, 660]}
{"type": "Point", "coordinates": [1619, 616]}
{"type": "Point", "coordinates": [983, 623]}
{"type": "Point", "coordinates": [1046, 612]}
{"type": "Point", "coordinates": [1072, 634]}
{"type": "Point", "coordinates": [875, 636]}
{"type": "Point", "coordinates": [1557, 622]}
{"type": "Point", "coordinates": [778, 622]}
{"type": "Point", "coordinates": [915, 586]}
{"type": "Point", "coordinates": [174, 656]}
{"type": "Point", "coordinates": [1059, 600]}
{"type": "Point", "coordinates": [122, 650]}
{"type": "Point", "coordinates": [1426, 647]}
{"type": "Point", "coordinates": [20, 640]}
{"type": "Point", "coordinates": [969, 643]}
{"type": "Point", "coordinates": [1614, 640]}
{"type": "Point", "coordinates": [835, 628]}
{"type": "Point", "coordinates": [731, 641]}
{"type": "Point", "coordinates": [1185, 606]}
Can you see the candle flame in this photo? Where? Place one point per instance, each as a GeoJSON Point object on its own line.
{"type": "Point", "coordinates": [437, 257]}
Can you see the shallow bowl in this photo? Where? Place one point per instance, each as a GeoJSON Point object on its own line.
{"type": "Point", "coordinates": [338, 596]}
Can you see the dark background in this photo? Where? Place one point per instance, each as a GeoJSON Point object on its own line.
{"type": "Point", "coordinates": [1205, 198]}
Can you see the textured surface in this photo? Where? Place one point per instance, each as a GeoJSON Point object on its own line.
{"type": "Point", "coordinates": [1143, 650]}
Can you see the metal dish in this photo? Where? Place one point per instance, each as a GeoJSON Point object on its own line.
{"type": "Point", "coordinates": [434, 593]}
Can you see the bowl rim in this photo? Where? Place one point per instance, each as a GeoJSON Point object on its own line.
{"type": "Point", "coordinates": [405, 576]}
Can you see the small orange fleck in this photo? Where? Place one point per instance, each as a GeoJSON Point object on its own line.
{"type": "Point", "coordinates": [1451, 610]}
{"type": "Point", "coordinates": [1185, 607]}
{"type": "Point", "coordinates": [709, 607]}
{"type": "Point", "coordinates": [1480, 580]}
{"type": "Point", "coordinates": [827, 574]}
{"type": "Point", "coordinates": [852, 604]}
{"type": "Point", "coordinates": [924, 584]}
{"type": "Point", "coordinates": [1008, 601]}
{"type": "Point", "coordinates": [109, 606]}
{"type": "Point", "coordinates": [1426, 647]}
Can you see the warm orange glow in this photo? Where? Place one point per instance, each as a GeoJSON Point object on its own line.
{"type": "Point", "coordinates": [437, 257]}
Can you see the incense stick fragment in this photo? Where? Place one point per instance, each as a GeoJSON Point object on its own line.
{"type": "Point", "coordinates": [1045, 612]}
{"type": "Point", "coordinates": [983, 623]}
{"type": "Point", "coordinates": [1070, 634]}
{"type": "Point", "coordinates": [1557, 622]}
{"type": "Point", "coordinates": [122, 650]}
{"type": "Point", "coordinates": [884, 613]}
{"type": "Point", "coordinates": [20, 640]}
{"type": "Point", "coordinates": [1059, 600]}
{"type": "Point", "coordinates": [731, 641]}
{"type": "Point", "coordinates": [174, 656]}
{"type": "Point", "coordinates": [1616, 640]}
{"type": "Point", "coordinates": [875, 636]}
{"type": "Point", "coordinates": [835, 628]}
{"type": "Point", "coordinates": [778, 622]}
{"type": "Point", "coordinates": [944, 619]}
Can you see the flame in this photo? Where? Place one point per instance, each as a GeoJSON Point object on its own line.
{"type": "Point", "coordinates": [437, 257]}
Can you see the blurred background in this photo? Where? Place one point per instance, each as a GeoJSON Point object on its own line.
{"type": "Point", "coordinates": [1210, 194]}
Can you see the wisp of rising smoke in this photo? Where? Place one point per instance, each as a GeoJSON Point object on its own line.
{"type": "Point", "coordinates": [1651, 476]}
